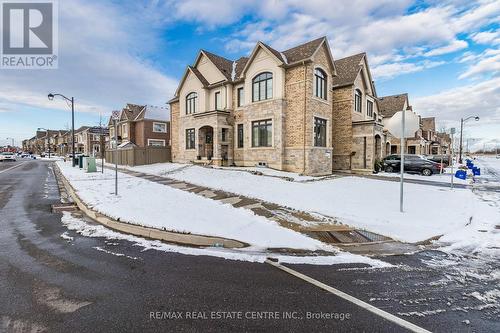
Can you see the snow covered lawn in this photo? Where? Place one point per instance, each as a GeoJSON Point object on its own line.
{"type": "Point", "coordinates": [366, 203]}
{"type": "Point", "coordinates": [439, 178]}
{"type": "Point", "coordinates": [155, 205]}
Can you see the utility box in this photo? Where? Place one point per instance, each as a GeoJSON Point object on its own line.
{"type": "Point", "coordinates": [80, 161]}
{"type": "Point", "coordinates": [90, 164]}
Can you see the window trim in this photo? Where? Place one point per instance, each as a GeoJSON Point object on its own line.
{"type": "Point", "coordinates": [191, 102]}
{"type": "Point", "coordinates": [164, 142]}
{"type": "Point", "coordinates": [315, 118]}
{"type": "Point", "coordinates": [216, 104]}
{"type": "Point", "coordinates": [369, 113]}
{"type": "Point", "coordinates": [240, 141]}
{"type": "Point", "coordinates": [188, 130]}
{"type": "Point", "coordinates": [320, 76]}
{"type": "Point", "coordinates": [358, 95]}
{"type": "Point", "coordinates": [162, 123]}
{"type": "Point", "coordinates": [240, 99]}
{"type": "Point", "coordinates": [266, 82]}
{"type": "Point", "coordinates": [266, 122]}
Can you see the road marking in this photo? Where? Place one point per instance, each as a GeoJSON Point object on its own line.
{"type": "Point", "coordinates": [13, 167]}
{"type": "Point", "coordinates": [349, 298]}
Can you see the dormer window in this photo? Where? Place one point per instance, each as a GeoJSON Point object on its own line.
{"type": "Point", "coordinates": [320, 83]}
{"type": "Point", "coordinates": [357, 100]}
{"type": "Point", "coordinates": [191, 101]}
{"type": "Point", "coordinates": [262, 87]}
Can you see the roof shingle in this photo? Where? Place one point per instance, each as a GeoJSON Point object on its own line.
{"type": "Point", "coordinates": [389, 105]}
{"type": "Point", "coordinates": [347, 70]}
{"type": "Point", "coordinates": [303, 51]}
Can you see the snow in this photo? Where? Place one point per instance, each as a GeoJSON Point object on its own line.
{"type": "Point", "coordinates": [158, 206]}
{"type": "Point", "coordinates": [157, 113]}
{"type": "Point", "coordinates": [438, 178]}
{"type": "Point", "coordinates": [94, 230]}
{"type": "Point", "coordinates": [284, 57]}
{"type": "Point", "coordinates": [365, 203]}
{"type": "Point", "coordinates": [233, 71]}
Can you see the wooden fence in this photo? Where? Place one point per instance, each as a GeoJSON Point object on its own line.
{"type": "Point", "coordinates": [139, 155]}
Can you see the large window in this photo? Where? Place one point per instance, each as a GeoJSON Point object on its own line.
{"type": "Point", "coordinates": [190, 138]}
{"type": "Point", "coordinates": [262, 132]}
{"type": "Point", "coordinates": [320, 83]}
{"type": "Point", "coordinates": [218, 101]}
{"type": "Point", "coordinates": [369, 108]}
{"type": "Point", "coordinates": [319, 132]}
{"type": "Point", "coordinates": [224, 134]}
{"type": "Point", "coordinates": [240, 96]}
{"type": "Point", "coordinates": [156, 143]}
{"type": "Point", "coordinates": [191, 103]}
{"type": "Point", "coordinates": [357, 100]}
{"type": "Point", "coordinates": [240, 135]}
{"type": "Point", "coordinates": [262, 87]}
{"type": "Point", "coordinates": [160, 127]}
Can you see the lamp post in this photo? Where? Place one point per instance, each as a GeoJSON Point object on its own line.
{"type": "Point", "coordinates": [462, 121]}
{"type": "Point", "coordinates": [72, 100]}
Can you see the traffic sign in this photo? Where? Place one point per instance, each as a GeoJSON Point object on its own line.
{"type": "Point", "coordinates": [412, 124]}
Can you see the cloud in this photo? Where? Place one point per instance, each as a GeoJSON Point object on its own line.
{"type": "Point", "coordinates": [101, 63]}
{"type": "Point", "coordinates": [454, 46]}
{"type": "Point", "coordinates": [487, 37]}
{"type": "Point", "coordinates": [487, 62]}
{"type": "Point", "coordinates": [390, 70]}
{"type": "Point", "coordinates": [482, 99]}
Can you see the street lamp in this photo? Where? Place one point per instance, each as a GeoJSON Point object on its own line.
{"type": "Point", "coordinates": [72, 100]}
{"type": "Point", "coordinates": [462, 121]}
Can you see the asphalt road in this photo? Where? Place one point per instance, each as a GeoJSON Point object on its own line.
{"type": "Point", "coordinates": [89, 284]}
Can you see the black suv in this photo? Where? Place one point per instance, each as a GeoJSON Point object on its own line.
{"type": "Point", "coordinates": [413, 164]}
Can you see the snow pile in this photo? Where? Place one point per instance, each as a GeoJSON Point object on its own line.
{"type": "Point", "coordinates": [150, 204]}
{"type": "Point", "coordinates": [93, 230]}
{"type": "Point", "coordinates": [365, 203]}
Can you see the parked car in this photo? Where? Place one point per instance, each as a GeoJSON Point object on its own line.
{"type": "Point", "coordinates": [6, 156]}
{"type": "Point", "coordinates": [413, 164]}
{"type": "Point", "coordinates": [437, 159]}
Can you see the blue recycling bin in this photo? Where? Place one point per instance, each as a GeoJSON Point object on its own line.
{"type": "Point", "coordinates": [461, 174]}
{"type": "Point", "coordinates": [476, 171]}
{"type": "Point", "coordinates": [470, 165]}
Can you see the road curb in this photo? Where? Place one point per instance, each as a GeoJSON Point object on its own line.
{"type": "Point", "coordinates": [152, 233]}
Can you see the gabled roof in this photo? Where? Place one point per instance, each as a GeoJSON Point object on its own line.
{"type": "Point", "coordinates": [276, 53]}
{"type": "Point", "coordinates": [223, 65]}
{"type": "Point", "coordinates": [151, 112]}
{"type": "Point", "coordinates": [81, 129]}
{"type": "Point", "coordinates": [389, 105]}
{"type": "Point", "coordinates": [429, 123]}
{"type": "Point", "coordinates": [238, 66]}
{"type": "Point", "coordinates": [347, 70]}
{"type": "Point", "coordinates": [304, 51]}
{"type": "Point", "coordinates": [132, 110]}
{"type": "Point", "coordinates": [200, 76]}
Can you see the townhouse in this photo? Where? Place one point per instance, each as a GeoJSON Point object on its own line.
{"type": "Point", "coordinates": [141, 126]}
{"type": "Point", "coordinates": [272, 108]}
{"type": "Point", "coordinates": [359, 137]}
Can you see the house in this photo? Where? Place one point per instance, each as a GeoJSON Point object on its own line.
{"type": "Point", "coordinates": [358, 130]}
{"type": "Point", "coordinates": [388, 106]}
{"type": "Point", "coordinates": [142, 125]}
{"type": "Point", "coordinates": [271, 108]}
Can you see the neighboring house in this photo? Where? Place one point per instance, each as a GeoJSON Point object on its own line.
{"type": "Point", "coordinates": [388, 106]}
{"type": "Point", "coordinates": [272, 108]}
{"type": "Point", "coordinates": [142, 125]}
{"type": "Point", "coordinates": [358, 131]}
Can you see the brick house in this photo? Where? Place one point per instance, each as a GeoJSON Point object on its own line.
{"type": "Point", "coordinates": [358, 129]}
{"type": "Point", "coordinates": [271, 108]}
{"type": "Point", "coordinates": [142, 125]}
{"type": "Point", "coordinates": [388, 106]}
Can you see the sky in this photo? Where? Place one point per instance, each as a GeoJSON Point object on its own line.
{"type": "Point", "coordinates": [444, 54]}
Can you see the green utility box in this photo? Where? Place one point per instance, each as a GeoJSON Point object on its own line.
{"type": "Point", "coordinates": [91, 165]}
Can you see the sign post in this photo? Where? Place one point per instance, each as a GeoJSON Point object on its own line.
{"type": "Point", "coordinates": [116, 115]}
{"type": "Point", "coordinates": [403, 124]}
{"type": "Point", "coordinates": [452, 132]}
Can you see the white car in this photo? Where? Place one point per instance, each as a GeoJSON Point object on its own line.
{"type": "Point", "coordinates": [6, 156]}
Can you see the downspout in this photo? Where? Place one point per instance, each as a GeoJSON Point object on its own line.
{"type": "Point", "coordinates": [304, 125]}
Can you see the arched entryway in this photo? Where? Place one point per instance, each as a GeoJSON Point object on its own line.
{"type": "Point", "coordinates": [378, 147]}
{"type": "Point", "coordinates": [206, 142]}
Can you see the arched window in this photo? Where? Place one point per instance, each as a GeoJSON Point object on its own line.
{"type": "Point", "coordinates": [262, 87]}
{"type": "Point", "coordinates": [191, 102]}
{"type": "Point", "coordinates": [320, 83]}
{"type": "Point", "coordinates": [357, 100]}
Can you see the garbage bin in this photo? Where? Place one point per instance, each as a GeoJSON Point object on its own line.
{"type": "Point", "coordinates": [80, 161]}
{"type": "Point", "coordinates": [476, 171]}
{"type": "Point", "coordinates": [91, 164]}
{"type": "Point", "coordinates": [461, 174]}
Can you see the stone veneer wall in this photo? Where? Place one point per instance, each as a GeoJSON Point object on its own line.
{"type": "Point", "coordinates": [342, 128]}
